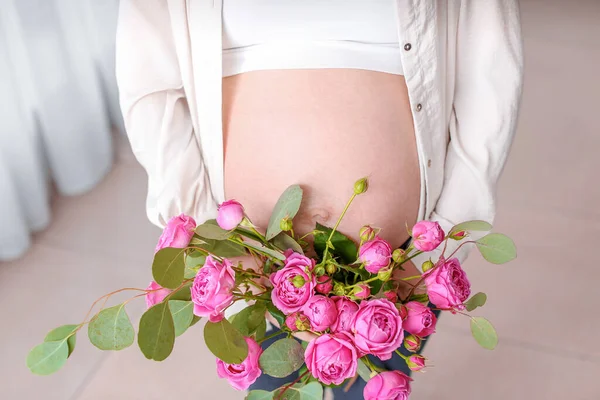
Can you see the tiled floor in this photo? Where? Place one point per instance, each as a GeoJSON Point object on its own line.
{"type": "Point", "coordinates": [543, 304]}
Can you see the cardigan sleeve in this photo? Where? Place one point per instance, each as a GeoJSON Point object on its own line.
{"type": "Point", "coordinates": [156, 114]}
{"type": "Point", "coordinates": [489, 77]}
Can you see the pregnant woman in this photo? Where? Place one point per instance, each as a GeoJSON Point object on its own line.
{"type": "Point", "coordinates": [241, 98]}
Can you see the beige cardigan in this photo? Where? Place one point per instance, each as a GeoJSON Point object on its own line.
{"type": "Point", "coordinates": [463, 66]}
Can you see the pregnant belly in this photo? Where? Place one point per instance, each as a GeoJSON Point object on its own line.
{"type": "Point", "coordinates": [323, 129]}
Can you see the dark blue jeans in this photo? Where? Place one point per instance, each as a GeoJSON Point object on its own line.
{"type": "Point", "coordinates": [266, 382]}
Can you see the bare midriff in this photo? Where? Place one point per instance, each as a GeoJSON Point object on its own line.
{"type": "Point", "coordinates": [323, 129]}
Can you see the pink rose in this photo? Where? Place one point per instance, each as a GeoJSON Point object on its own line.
{"type": "Point", "coordinates": [241, 376]}
{"type": "Point", "coordinates": [346, 311]}
{"type": "Point", "coordinates": [447, 285]}
{"type": "Point", "coordinates": [157, 295]}
{"type": "Point", "coordinates": [212, 287]}
{"type": "Point", "coordinates": [388, 385]}
{"type": "Point", "coordinates": [375, 254]}
{"type": "Point", "coordinates": [285, 295]}
{"type": "Point", "coordinates": [415, 362]}
{"type": "Point", "coordinates": [391, 295]}
{"type": "Point", "coordinates": [178, 233]}
{"type": "Point", "coordinates": [377, 328]}
{"type": "Point", "coordinates": [427, 235]}
{"type": "Point", "coordinates": [297, 322]}
{"type": "Point", "coordinates": [231, 213]}
{"type": "Point", "coordinates": [412, 343]}
{"type": "Point", "coordinates": [324, 284]}
{"type": "Point", "coordinates": [420, 320]}
{"type": "Point", "coordinates": [361, 291]}
{"type": "Point", "coordinates": [321, 312]}
{"type": "Point", "coordinates": [331, 358]}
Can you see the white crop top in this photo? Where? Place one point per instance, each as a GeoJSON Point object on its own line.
{"type": "Point", "coordinates": [310, 34]}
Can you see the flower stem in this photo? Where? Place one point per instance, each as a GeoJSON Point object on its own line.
{"type": "Point", "coordinates": [337, 224]}
{"type": "Point", "coordinates": [270, 336]}
{"type": "Point", "coordinates": [285, 388]}
{"type": "Point", "coordinates": [400, 354]}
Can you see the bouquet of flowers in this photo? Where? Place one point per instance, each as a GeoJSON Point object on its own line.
{"type": "Point", "coordinates": [342, 296]}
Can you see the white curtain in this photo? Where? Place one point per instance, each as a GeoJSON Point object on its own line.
{"type": "Point", "coordinates": [58, 103]}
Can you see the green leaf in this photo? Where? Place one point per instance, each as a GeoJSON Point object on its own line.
{"type": "Point", "coordinates": [111, 329]}
{"type": "Point", "coordinates": [193, 262]}
{"type": "Point", "coordinates": [195, 320]}
{"type": "Point", "coordinates": [343, 246]}
{"type": "Point", "coordinates": [48, 357]}
{"type": "Point", "coordinates": [259, 395]}
{"type": "Point", "coordinates": [249, 319]}
{"type": "Point", "coordinates": [182, 312]}
{"type": "Point", "coordinates": [225, 342]}
{"type": "Point", "coordinates": [156, 336]}
{"type": "Point", "coordinates": [261, 330]}
{"type": "Point", "coordinates": [484, 333]}
{"type": "Point", "coordinates": [276, 313]}
{"type": "Point", "coordinates": [421, 298]}
{"type": "Point", "coordinates": [282, 358]}
{"type": "Point", "coordinates": [168, 267]}
{"type": "Point", "coordinates": [197, 241]}
{"type": "Point", "coordinates": [363, 370]}
{"type": "Point", "coordinates": [249, 234]}
{"type": "Point", "coordinates": [225, 248]}
{"type": "Point", "coordinates": [264, 250]}
{"type": "Point", "coordinates": [287, 206]}
{"type": "Point", "coordinates": [476, 225]}
{"type": "Point", "coordinates": [184, 293]}
{"type": "Point", "coordinates": [375, 286]}
{"type": "Point", "coordinates": [478, 300]}
{"type": "Point", "coordinates": [497, 248]}
{"type": "Point", "coordinates": [284, 241]}
{"type": "Point", "coordinates": [62, 332]}
{"type": "Point", "coordinates": [211, 230]}
{"type": "Point", "coordinates": [312, 391]}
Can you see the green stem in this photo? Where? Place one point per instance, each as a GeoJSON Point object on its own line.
{"type": "Point", "coordinates": [270, 336]}
{"type": "Point", "coordinates": [401, 355]}
{"type": "Point", "coordinates": [367, 281]}
{"type": "Point", "coordinates": [410, 278]}
{"type": "Point", "coordinates": [337, 224]}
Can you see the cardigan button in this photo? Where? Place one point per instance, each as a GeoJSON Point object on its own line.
{"type": "Point", "coordinates": [419, 107]}
{"type": "Point", "coordinates": [429, 163]}
{"type": "Point", "coordinates": [407, 46]}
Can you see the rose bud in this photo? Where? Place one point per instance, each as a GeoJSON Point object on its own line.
{"type": "Point", "coordinates": [388, 385]}
{"type": "Point", "coordinates": [298, 281]}
{"type": "Point", "coordinates": [212, 289]}
{"type": "Point", "coordinates": [361, 186]}
{"type": "Point", "coordinates": [412, 343]}
{"type": "Point", "coordinates": [297, 322]}
{"type": "Point", "coordinates": [338, 289]}
{"type": "Point", "coordinates": [319, 270]}
{"type": "Point", "coordinates": [346, 309]}
{"type": "Point", "coordinates": [330, 268]}
{"type": "Point", "coordinates": [384, 274]}
{"type": "Point", "coordinates": [321, 312]}
{"type": "Point", "coordinates": [286, 224]}
{"type": "Point", "coordinates": [458, 235]}
{"type": "Point", "coordinates": [361, 291]}
{"type": "Point", "coordinates": [324, 284]}
{"type": "Point", "coordinates": [420, 320]}
{"type": "Point", "coordinates": [331, 358]}
{"type": "Point", "coordinates": [241, 376]}
{"type": "Point", "coordinates": [391, 295]}
{"type": "Point", "coordinates": [377, 328]}
{"type": "Point", "coordinates": [427, 235]}
{"type": "Point", "coordinates": [403, 311]}
{"type": "Point", "coordinates": [156, 294]}
{"type": "Point", "coordinates": [415, 362]}
{"type": "Point", "coordinates": [447, 285]}
{"type": "Point", "coordinates": [285, 295]}
{"type": "Point", "coordinates": [230, 214]}
{"type": "Point", "coordinates": [398, 255]}
{"type": "Point", "coordinates": [178, 233]}
{"type": "Point", "coordinates": [366, 233]}
{"type": "Point", "coordinates": [375, 254]}
{"type": "Point", "coordinates": [427, 265]}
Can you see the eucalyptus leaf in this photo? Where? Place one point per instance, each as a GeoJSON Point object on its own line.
{"type": "Point", "coordinates": [477, 300]}
{"type": "Point", "coordinates": [182, 312]}
{"type": "Point", "coordinates": [250, 318]}
{"type": "Point", "coordinates": [420, 297]}
{"type": "Point", "coordinates": [184, 293]}
{"type": "Point", "coordinates": [363, 370]}
{"type": "Point", "coordinates": [48, 357]}
{"type": "Point", "coordinates": [344, 247]}
{"type": "Point", "coordinates": [195, 320]}
{"type": "Point", "coordinates": [497, 248]}
{"type": "Point", "coordinates": [287, 206]}
{"type": "Point", "coordinates": [264, 250]}
{"type": "Point", "coordinates": [473, 226]}
{"type": "Point", "coordinates": [282, 358]}
{"type": "Point", "coordinates": [61, 333]}
{"type": "Point", "coordinates": [248, 234]}
{"type": "Point", "coordinates": [225, 342]}
{"type": "Point", "coordinates": [259, 395]}
{"type": "Point", "coordinates": [194, 259]}
{"type": "Point", "coordinates": [211, 230]}
{"type": "Point", "coordinates": [156, 335]}
{"type": "Point", "coordinates": [284, 242]}
{"type": "Point", "coordinates": [311, 391]}
{"type": "Point", "coordinates": [261, 330]}
{"type": "Point", "coordinates": [225, 248]}
{"type": "Point", "coordinates": [484, 333]}
{"type": "Point", "coordinates": [276, 313]}
{"type": "Point", "coordinates": [168, 267]}
{"type": "Point", "coordinates": [111, 329]}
